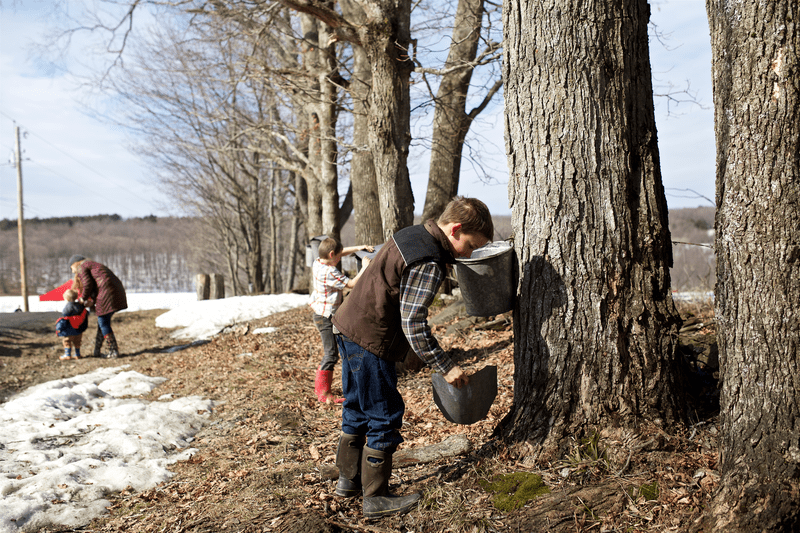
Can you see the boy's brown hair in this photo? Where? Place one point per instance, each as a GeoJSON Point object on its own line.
{"type": "Point", "coordinates": [473, 215]}
{"type": "Point", "coordinates": [70, 295]}
{"type": "Point", "coordinates": [329, 245]}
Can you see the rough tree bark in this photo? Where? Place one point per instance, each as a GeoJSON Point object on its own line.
{"type": "Point", "coordinates": [327, 114]}
{"type": "Point", "coordinates": [756, 85]}
{"type": "Point", "coordinates": [310, 137]}
{"type": "Point", "coordinates": [367, 216]}
{"type": "Point", "coordinates": [386, 38]}
{"type": "Point", "coordinates": [595, 327]}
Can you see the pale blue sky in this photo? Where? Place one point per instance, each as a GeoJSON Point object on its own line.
{"type": "Point", "coordinates": [75, 165]}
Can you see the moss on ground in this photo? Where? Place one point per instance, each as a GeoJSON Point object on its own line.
{"type": "Point", "coordinates": [512, 491]}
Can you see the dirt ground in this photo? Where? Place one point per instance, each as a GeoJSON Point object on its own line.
{"type": "Point", "coordinates": [265, 460]}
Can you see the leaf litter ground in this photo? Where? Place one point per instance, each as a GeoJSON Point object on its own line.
{"type": "Point", "coordinates": [265, 461]}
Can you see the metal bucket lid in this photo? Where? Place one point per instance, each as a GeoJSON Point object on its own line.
{"type": "Point", "coordinates": [486, 251]}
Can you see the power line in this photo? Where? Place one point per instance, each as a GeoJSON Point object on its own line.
{"type": "Point", "coordinates": [695, 193]}
{"type": "Point", "coordinates": [116, 184]}
{"type": "Point", "coordinates": [75, 182]}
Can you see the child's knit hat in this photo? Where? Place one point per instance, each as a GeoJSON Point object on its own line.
{"type": "Point", "coordinates": [74, 259]}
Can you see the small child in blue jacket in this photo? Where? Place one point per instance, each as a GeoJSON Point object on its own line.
{"type": "Point", "coordinates": [70, 327]}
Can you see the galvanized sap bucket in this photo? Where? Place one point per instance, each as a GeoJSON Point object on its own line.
{"type": "Point", "coordinates": [312, 249]}
{"type": "Point", "coordinates": [361, 254]}
{"type": "Point", "coordinates": [487, 279]}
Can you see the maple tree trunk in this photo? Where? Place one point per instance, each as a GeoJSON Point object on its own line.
{"type": "Point", "coordinates": [366, 207]}
{"type": "Point", "coordinates": [595, 327]}
{"type": "Point", "coordinates": [327, 114]}
{"type": "Point", "coordinates": [386, 38]}
{"type": "Point", "coordinates": [757, 126]}
{"type": "Point", "coordinates": [310, 137]}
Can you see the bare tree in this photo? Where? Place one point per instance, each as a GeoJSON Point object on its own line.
{"type": "Point", "coordinates": [384, 34]}
{"type": "Point", "coordinates": [595, 328]}
{"type": "Point", "coordinates": [213, 130]}
{"type": "Point", "coordinates": [367, 216]}
{"type": "Point", "coordinates": [451, 120]}
{"type": "Point", "coordinates": [757, 123]}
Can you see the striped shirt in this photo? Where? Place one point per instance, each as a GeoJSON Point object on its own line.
{"type": "Point", "coordinates": [417, 290]}
{"type": "Point", "coordinates": [328, 284]}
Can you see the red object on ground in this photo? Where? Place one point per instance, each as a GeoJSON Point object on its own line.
{"type": "Point", "coordinates": [57, 294]}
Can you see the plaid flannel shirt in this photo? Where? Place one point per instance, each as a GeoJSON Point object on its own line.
{"type": "Point", "coordinates": [327, 293]}
{"type": "Point", "coordinates": [417, 290]}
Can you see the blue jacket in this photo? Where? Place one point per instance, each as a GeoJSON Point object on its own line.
{"type": "Point", "coordinates": [71, 325]}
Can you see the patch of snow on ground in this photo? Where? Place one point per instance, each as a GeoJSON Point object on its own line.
{"type": "Point", "coordinates": [68, 443]}
{"type": "Point", "coordinates": [206, 318]}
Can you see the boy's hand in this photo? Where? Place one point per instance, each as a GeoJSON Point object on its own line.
{"type": "Point", "coordinates": [369, 248]}
{"type": "Point", "coordinates": [456, 377]}
{"type": "Point", "coordinates": [365, 262]}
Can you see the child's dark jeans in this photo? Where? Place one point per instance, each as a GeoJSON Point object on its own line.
{"type": "Point", "coordinates": [331, 352]}
{"type": "Point", "coordinates": [372, 404]}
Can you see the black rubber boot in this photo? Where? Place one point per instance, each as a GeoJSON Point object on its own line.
{"type": "Point", "coordinates": [376, 469]}
{"type": "Point", "coordinates": [113, 352]}
{"type": "Point", "coordinates": [98, 343]}
{"type": "Point", "coordinates": [348, 459]}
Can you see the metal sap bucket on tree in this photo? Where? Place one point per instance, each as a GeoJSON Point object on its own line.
{"type": "Point", "coordinates": [487, 279]}
{"type": "Point", "coordinates": [312, 249]}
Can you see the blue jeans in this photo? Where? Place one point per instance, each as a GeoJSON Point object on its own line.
{"type": "Point", "coordinates": [104, 323]}
{"type": "Point", "coordinates": [372, 404]}
{"type": "Point", "coordinates": [330, 352]}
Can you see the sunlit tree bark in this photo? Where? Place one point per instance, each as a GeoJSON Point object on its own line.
{"type": "Point", "coordinates": [757, 122]}
{"type": "Point", "coordinates": [595, 328]}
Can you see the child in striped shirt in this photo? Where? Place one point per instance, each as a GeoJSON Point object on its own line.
{"type": "Point", "coordinates": [328, 292]}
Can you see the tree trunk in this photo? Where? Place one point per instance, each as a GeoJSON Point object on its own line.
{"type": "Point", "coordinates": [386, 38]}
{"type": "Point", "coordinates": [757, 122]}
{"type": "Point", "coordinates": [327, 115]}
{"type": "Point", "coordinates": [367, 212]}
{"type": "Point", "coordinates": [311, 135]}
{"type": "Point", "coordinates": [273, 226]}
{"type": "Point", "coordinates": [450, 119]}
{"type": "Point", "coordinates": [595, 327]}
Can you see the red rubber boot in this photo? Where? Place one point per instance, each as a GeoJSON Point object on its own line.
{"type": "Point", "coordinates": [322, 387]}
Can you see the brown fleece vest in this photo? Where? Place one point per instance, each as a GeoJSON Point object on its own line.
{"type": "Point", "coordinates": [370, 315]}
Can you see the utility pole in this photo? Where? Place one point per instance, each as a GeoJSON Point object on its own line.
{"type": "Point", "coordinates": [20, 229]}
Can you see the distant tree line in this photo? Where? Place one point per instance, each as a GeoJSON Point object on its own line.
{"type": "Point", "coordinates": [9, 224]}
{"type": "Point", "coordinates": [148, 254]}
{"type": "Point", "coordinates": [158, 254]}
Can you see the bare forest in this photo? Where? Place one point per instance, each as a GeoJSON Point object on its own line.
{"type": "Point", "coordinates": [163, 254]}
{"type": "Point", "coordinates": [148, 254]}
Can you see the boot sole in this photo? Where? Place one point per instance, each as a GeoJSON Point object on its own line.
{"type": "Point", "coordinates": [348, 493]}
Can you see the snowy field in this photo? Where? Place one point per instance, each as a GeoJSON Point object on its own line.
{"type": "Point", "coordinates": [198, 319]}
{"type": "Point", "coordinates": [136, 302]}
{"type": "Point", "coordinates": [66, 444]}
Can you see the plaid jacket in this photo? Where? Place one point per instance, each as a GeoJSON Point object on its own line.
{"type": "Point", "coordinates": [328, 286]}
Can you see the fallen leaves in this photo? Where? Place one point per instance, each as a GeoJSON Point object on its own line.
{"type": "Point", "coordinates": [262, 457]}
